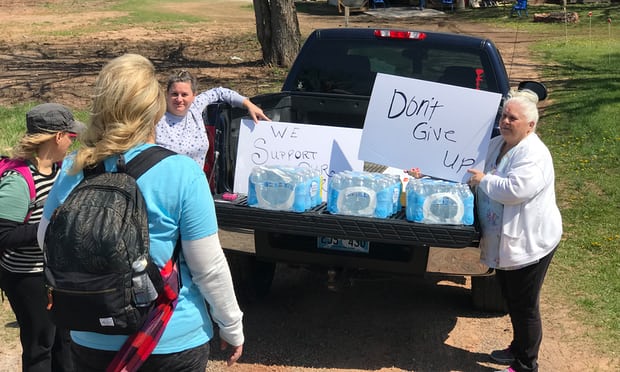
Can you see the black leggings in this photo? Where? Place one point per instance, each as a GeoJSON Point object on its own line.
{"type": "Point", "coordinates": [44, 348]}
{"type": "Point", "coordinates": [521, 288]}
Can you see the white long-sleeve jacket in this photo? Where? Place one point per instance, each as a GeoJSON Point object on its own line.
{"type": "Point", "coordinates": [531, 225]}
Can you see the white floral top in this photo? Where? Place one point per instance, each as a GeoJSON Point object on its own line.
{"type": "Point", "coordinates": [186, 135]}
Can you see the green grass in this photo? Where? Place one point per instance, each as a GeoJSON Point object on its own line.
{"type": "Point", "coordinates": [13, 125]}
{"type": "Point", "coordinates": [582, 131]}
{"type": "Point", "coordinates": [148, 11]}
{"type": "Point", "coordinates": [151, 14]}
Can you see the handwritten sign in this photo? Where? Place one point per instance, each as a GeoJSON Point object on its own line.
{"type": "Point", "coordinates": [441, 129]}
{"type": "Point", "coordinates": [330, 149]}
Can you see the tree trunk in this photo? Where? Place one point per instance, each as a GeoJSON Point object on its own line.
{"type": "Point", "coordinates": [277, 30]}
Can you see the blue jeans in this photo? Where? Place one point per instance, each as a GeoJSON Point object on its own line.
{"type": "Point", "coordinates": [521, 289]}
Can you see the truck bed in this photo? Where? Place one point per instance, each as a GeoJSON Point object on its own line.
{"type": "Point", "coordinates": [320, 109]}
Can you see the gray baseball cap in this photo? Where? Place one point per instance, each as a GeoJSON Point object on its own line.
{"type": "Point", "coordinates": [52, 118]}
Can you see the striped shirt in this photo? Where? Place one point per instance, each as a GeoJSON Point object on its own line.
{"type": "Point", "coordinates": [30, 259]}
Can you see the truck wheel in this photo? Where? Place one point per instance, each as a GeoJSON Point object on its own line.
{"type": "Point", "coordinates": [487, 294]}
{"type": "Point", "coordinates": [252, 278]}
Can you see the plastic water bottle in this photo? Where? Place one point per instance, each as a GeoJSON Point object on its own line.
{"type": "Point", "coordinates": [308, 175]}
{"type": "Point", "coordinates": [252, 181]}
{"type": "Point", "coordinates": [346, 183]}
{"type": "Point", "coordinates": [302, 191]}
{"type": "Point", "coordinates": [354, 197]}
{"type": "Point", "coordinates": [468, 204]}
{"type": "Point", "coordinates": [435, 207]}
{"type": "Point", "coordinates": [437, 201]}
{"type": "Point", "coordinates": [385, 197]}
{"type": "Point", "coordinates": [271, 189]}
{"type": "Point", "coordinates": [275, 189]}
{"type": "Point", "coordinates": [315, 187]}
{"type": "Point", "coordinates": [359, 199]}
{"type": "Point", "coordinates": [333, 192]}
{"type": "Point", "coordinates": [143, 289]}
{"type": "Point", "coordinates": [442, 208]}
{"type": "Point", "coordinates": [398, 189]}
{"type": "Point", "coordinates": [415, 200]}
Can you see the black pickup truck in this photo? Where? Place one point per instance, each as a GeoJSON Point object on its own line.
{"type": "Point", "coordinates": [330, 83]}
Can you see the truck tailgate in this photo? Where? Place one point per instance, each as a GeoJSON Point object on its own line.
{"type": "Point", "coordinates": [318, 222]}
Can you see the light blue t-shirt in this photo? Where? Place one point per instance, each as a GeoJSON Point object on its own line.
{"type": "Point", "coordinates": [178, 199]}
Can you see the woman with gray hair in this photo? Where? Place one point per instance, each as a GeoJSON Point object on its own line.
{"type": "Point", "coordinates": [521, 223]}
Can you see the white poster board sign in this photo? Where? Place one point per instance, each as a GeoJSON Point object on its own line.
{"type": "Point", "coordinates": [330, 149]}
{"type": "Point", "coordinates": [441, 129]}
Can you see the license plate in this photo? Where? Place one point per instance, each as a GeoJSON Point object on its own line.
{"type": "Point", "coordinates": [347, 245]}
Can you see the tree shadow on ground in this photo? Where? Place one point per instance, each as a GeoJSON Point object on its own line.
{"type": "Point", "coordinates": [65, 72]}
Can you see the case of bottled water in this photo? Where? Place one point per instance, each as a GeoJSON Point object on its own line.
{"type": "Point", "coordinates": [364, 194]}
{"type": "Point", "coordinates": [284, 188]}
{"type": "Point", "coordinates": [439, 202]}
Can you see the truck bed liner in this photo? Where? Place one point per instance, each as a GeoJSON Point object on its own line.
{"type": "Point", "coordinates": [317, 221]}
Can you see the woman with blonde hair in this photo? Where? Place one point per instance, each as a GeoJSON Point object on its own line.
{"type": "Point", "coordinates": [24, 186]}
{"type": "Point", "coordinates": [127, 104]}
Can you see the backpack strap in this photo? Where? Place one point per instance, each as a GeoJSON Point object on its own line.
{"type": "Point", "coordinates": [22, 168]}
{"type": "Point", "coordinates": [146, 159]}
{"type": "Point", "coordinates": [137, 166]}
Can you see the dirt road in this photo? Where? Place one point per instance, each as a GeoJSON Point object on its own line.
{"type": "Point", "coordinates": [391, 325]}
{"type": "Point", "coordinates": [371, 325]}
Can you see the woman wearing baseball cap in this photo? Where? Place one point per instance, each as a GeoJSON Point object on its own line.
{"type": "Point", "coordinates": [25, 182]}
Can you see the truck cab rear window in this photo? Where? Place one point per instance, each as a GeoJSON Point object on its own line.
{"type": "Point", "coordinates": [351, 69]}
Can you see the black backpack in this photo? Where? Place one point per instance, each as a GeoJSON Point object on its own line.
{"type": "Point", "coordinates": [91, 243]}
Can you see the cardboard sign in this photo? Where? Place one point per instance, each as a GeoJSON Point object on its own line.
{"type": "Point", "coordinates": [330, 149]}
{"type": "Point", "coordinates": [441, 129]}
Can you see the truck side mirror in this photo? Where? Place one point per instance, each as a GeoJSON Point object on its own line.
{"type": "Point", "coordinates": [539, 88]}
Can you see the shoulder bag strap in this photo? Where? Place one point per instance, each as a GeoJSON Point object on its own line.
{"type": "Point", "coordinates": [23, 169]}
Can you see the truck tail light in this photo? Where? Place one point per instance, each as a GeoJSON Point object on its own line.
{"type": "Point", "coordinates": [396, 34]}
